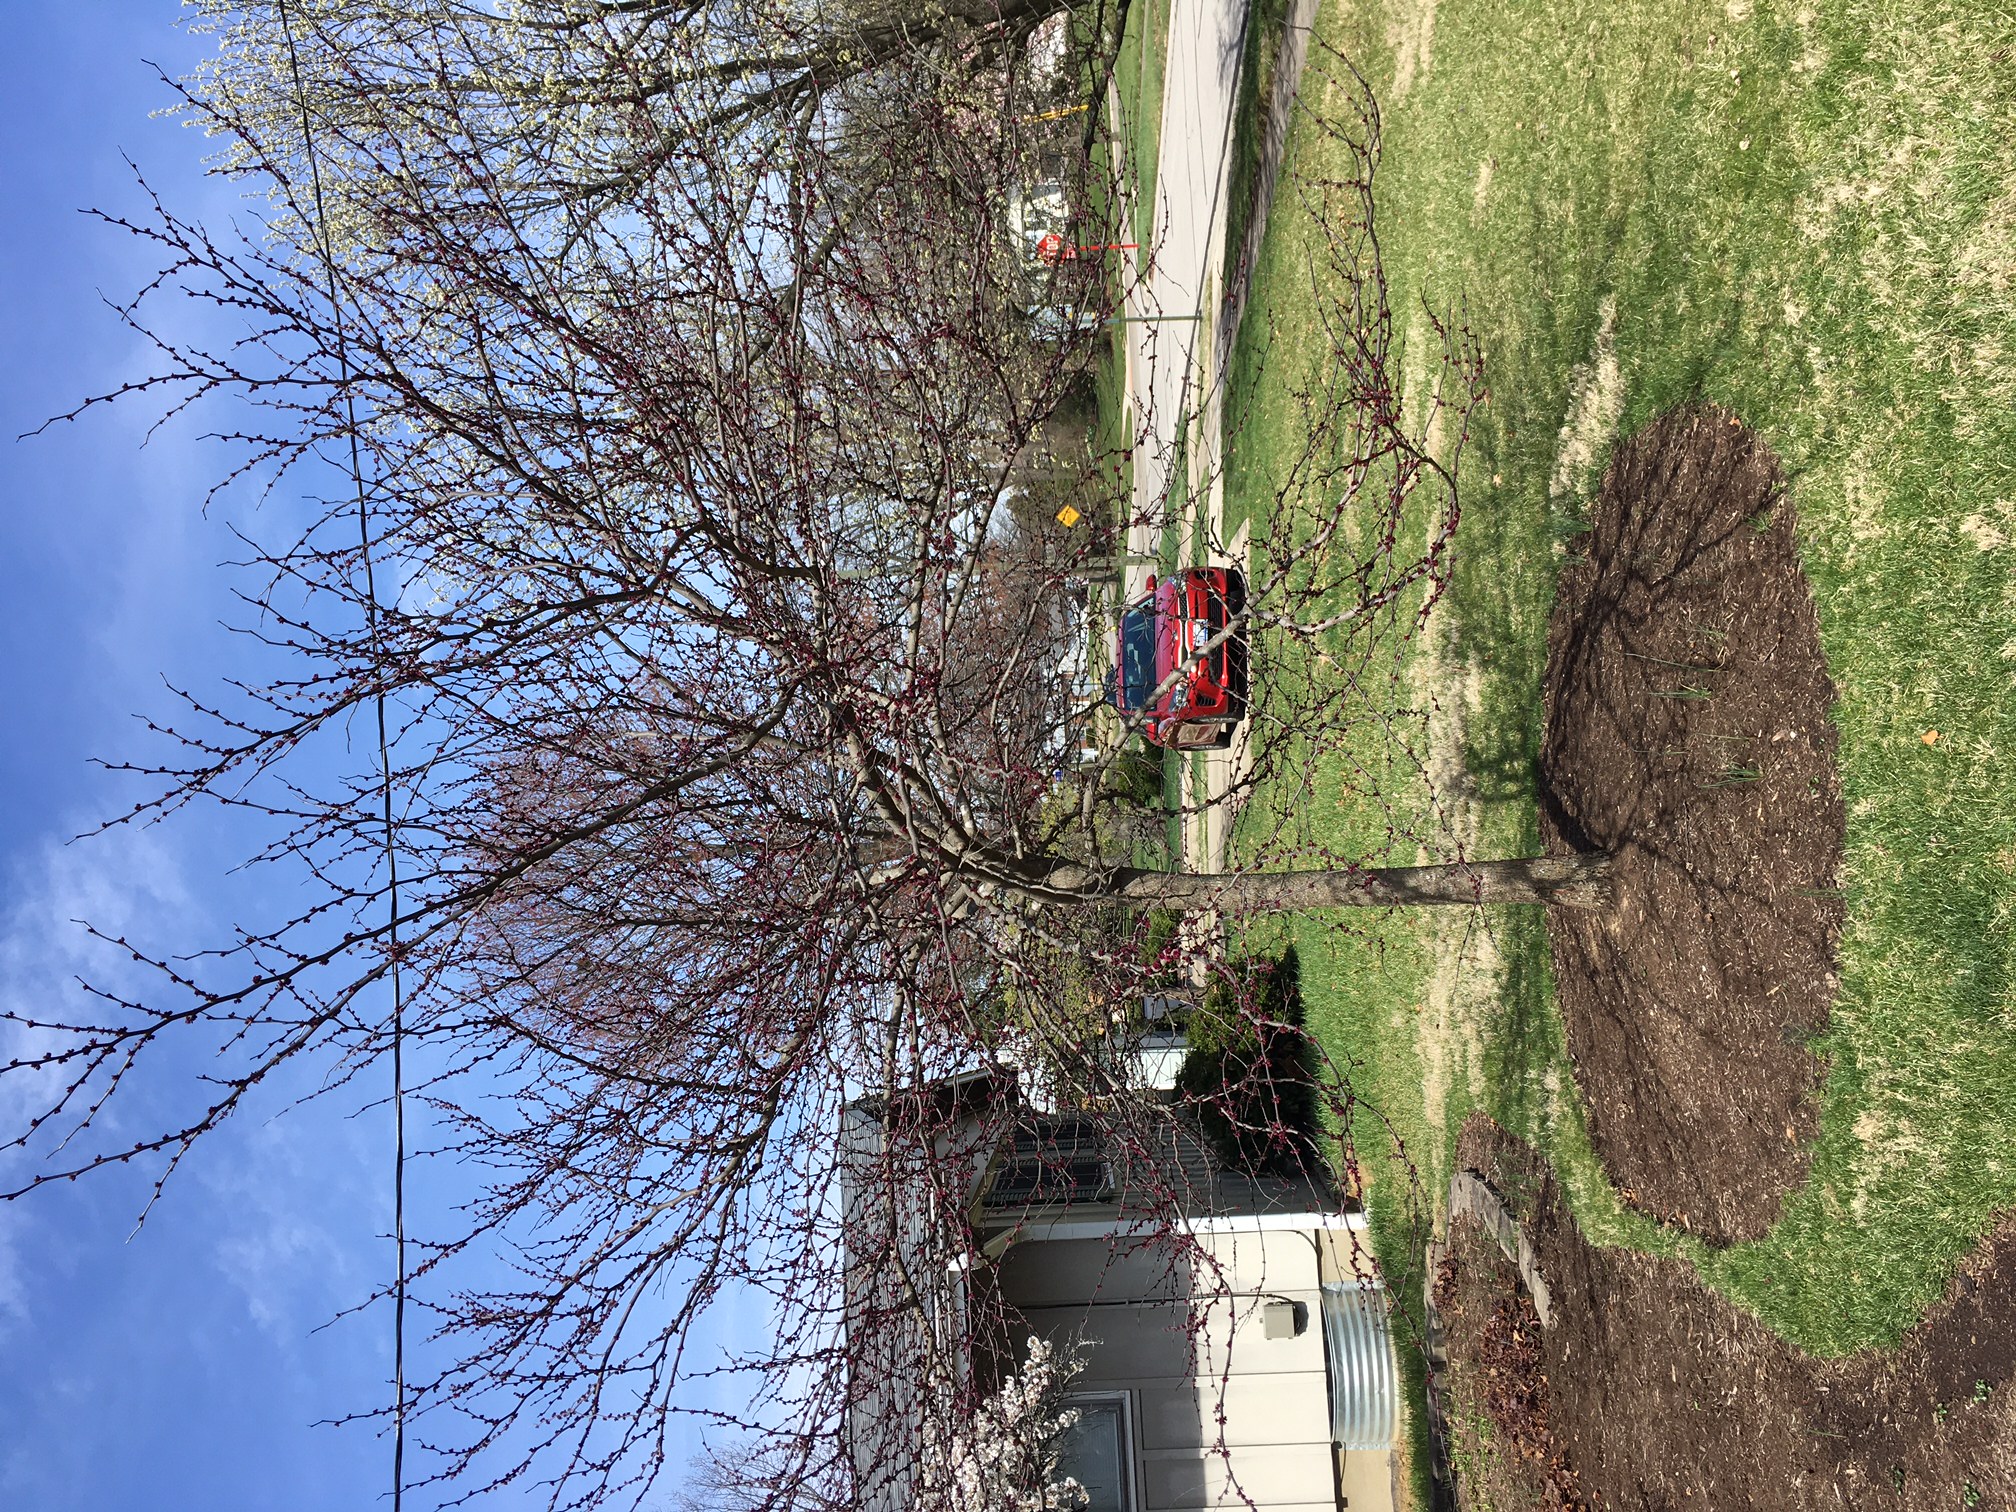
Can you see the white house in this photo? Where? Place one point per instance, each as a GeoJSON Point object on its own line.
{"type": "Point", "coordinates": [1234, 1350]}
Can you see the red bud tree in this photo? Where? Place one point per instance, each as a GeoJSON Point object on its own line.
{"type": "Point", "coordinates": [686, 364]}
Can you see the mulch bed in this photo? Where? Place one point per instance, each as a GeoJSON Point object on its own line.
{"type": "Point", "coordinates": [1646, 1390]}
{"type": "Point", "coordinates": [1497, 1411]}
{"type": "Point", "coordinates": [1687, 732]}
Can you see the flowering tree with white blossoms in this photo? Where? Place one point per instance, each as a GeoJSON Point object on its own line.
{"type": "Point", "coordinates": [1005, 1455]}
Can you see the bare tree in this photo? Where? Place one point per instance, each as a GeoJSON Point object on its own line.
{"type": "Point", "coordinates": [721, 765]}
{"type": "Point", "coordinates": [559, 114]}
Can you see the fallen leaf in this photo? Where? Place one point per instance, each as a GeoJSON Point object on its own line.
{"type": "Point", "coordinates": [1930, 737]}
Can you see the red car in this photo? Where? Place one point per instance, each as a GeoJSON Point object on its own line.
{"type": "Point", "coordinates": [1187, 696]}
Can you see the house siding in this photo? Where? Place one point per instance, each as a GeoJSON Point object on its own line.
{"type": "Point", "coordinates": [1224, 1416]}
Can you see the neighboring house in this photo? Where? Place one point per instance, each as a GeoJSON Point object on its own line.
{"type": "Point", "coordinates": [1232, 1352]}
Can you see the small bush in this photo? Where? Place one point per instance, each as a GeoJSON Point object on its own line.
{"type": "Point", "coordinates": [1135, 775]}
{"type": "Point", "coordinates": [1158, 933]}
{"type": "Point", "coordinates": [1250, 1076]}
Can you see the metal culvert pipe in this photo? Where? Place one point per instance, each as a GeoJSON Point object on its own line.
{"type": "Point", "coordinates": [1364, 1387]}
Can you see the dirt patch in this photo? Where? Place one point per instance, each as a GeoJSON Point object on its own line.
{"type": "Point", "coordinates": [1411, 35]}
{"type": "Point", "coordinates": [1687, 732]}
{"type": "Point", "coordinates": [1595, 401]}
{"type": "Point", "coordinates": [1468, 969]}
{"type": "Point", "coordinates": [1497, 1406]}
{"type": "Point", "coordinates": [1481, 190]}
{"type": "Point", "coordinates": [1661, 1394]}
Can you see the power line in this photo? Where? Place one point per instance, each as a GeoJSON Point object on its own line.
{"type": "Point", "coordinates": [320, 233]}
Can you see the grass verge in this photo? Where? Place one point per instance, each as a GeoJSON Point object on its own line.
{"type": "Point", "coordinates": [1137, 91]}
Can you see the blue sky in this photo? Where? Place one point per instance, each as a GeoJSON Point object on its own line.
{"type": "Point", "coordinates": [177, 1369]}
{"type": "Point", "coordinates": [181, 1367]}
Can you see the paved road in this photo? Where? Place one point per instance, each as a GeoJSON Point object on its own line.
{"type": "Point", "coordinates": [1187, 250]}
{"type": "Point", "coordinates": [1172, 362]}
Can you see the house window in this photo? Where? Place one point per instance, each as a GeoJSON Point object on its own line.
{"type": "Point", "coordinates": [1098, 1450]}
{"type": "Point", "coordinates": [1052, 1160]}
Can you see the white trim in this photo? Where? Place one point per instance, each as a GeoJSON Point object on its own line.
{"type": "Point", "coordinates": [1117, 1227]}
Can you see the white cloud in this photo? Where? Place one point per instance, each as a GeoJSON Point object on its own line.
{"type": "Point", "coordinates": [290, 1209]}
{"type": "Point", "coordinates": [13, 1288]}
{"type": "Point", "coordinates": [126, 883]}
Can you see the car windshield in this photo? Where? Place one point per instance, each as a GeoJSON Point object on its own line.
{"type": "Point", "coordinates": [1137, 657]}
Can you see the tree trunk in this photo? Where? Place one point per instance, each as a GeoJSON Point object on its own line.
{"type": "Point", "coordinates": [1567, 881]}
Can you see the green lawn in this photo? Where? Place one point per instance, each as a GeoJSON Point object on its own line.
{"type": "Point", "coordinates": [1127, 157]}
{"type": "Point", "coordinates": [1137, 91]}
{"type": "Point", "coordinates": [1807, 214]}
{"type": "Point", "coordinates": [1265, 21]}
